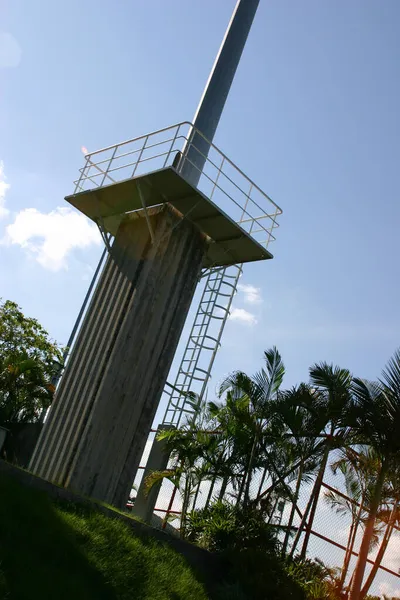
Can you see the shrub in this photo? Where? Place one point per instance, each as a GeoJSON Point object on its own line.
{"type": "Point", "coordinates": [223, 526]}
{"type": "Point", "coordinates": [249, 550]}
{"type": "Point", "coordinates": [262, 575]}
{"type": "Point", "coordinates": [316, 580]}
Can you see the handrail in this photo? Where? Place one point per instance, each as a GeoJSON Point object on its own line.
{"type": "Point", "coordinates": [224, 176]}
{"type": "Point", "coordinates": [90, 154]}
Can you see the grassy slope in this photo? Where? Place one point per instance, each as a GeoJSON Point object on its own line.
{"type": "Point", "coordinates": [67, 552]}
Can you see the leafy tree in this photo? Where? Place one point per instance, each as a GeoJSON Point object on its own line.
{"type": "Point", "coordinates": [29, 361]}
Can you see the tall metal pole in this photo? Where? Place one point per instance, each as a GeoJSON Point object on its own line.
{"type": "Point", "coordinates": [219, 288]}
{"type": "Point", "coordinates": [219, 285]}
{"type": "Point", "coordinates": [217, 88]}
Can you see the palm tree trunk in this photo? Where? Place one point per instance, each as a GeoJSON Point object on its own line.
{"type": "Point", "coordinates": [222, 491]}
{"type": "Point", "coordinates": [248, 475]}
{"type": "Point", "coordinates": [381, 551]}
{"type": "Point", "coordinates": [351, 542]}
{"type": "Point", "coordinates": [271, 516]}
{"type": "Point", "coordinates": [292, 512]}
{"type": "Point", "coordinates": [355, 591]}
{"type": "Point", "coordinates": [281, 478]}
{"type": "Point", "coordinates": [347, 556]}
{"type": "Point", "coordinates": [241, 488]}
{"type": "Point", "coordinates": [196, 495]}
{"type": "Point", "coordinates": [209, 495]}
{"type": "Point", "coordinates": [185, 505]}
{"type": "Point", "coordinates": [302, 524]}
{"type": "Point", "coordinates": [264, 475]}
{"type": "Point", "coordinates": [315, 499]}
{"type": "Point", "coordinates": [347, 592]}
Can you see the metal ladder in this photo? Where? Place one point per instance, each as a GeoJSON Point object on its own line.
{"type": "Point", "coordinates": [204, 340]}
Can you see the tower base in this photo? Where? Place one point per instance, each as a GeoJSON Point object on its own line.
{"type": "Point", "coordinates": [98, 425]}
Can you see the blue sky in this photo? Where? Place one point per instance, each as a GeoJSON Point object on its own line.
{"type": "Point", "coordinates": [312, 117]}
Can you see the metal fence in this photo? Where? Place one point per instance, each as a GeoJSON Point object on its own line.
{"type": "Point", "coordinates": [329, 533]}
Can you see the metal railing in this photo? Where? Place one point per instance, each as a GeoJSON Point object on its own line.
{"type": "Point", "coordinates": [221, 180]}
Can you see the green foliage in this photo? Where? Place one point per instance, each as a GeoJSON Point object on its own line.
{"type": "Point", "coordinates": [262, 443]}
{"type": "Point", "coordinates": [192, 452]}
{"type": "Point", "coordinates": [317, 581]}
{"type": "Point", "coordinates": [261, 576]}
{"type": "Point", "coordinates": [28, 362]}
{"type": "Point", "coordinates": [4, 594]}
{"type": "Point", "coordinates": [223, 526]}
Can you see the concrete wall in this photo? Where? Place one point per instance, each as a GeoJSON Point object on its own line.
{"type": "Point", "coordinates": [94, 437]}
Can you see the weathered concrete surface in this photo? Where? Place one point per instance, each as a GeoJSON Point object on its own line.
{"type": "Point", "coordinates": [94, 436]}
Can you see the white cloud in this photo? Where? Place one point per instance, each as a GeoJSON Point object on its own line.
{"type": "Point", "coordinates": [4, 187]}
{"type": "Point", "coordinates": [10, 51]}
{"type": "Point", "coordinates": [242, 315]}
{"type": "Point", "coordinates": [50, 237]}
{"type": "Point", "coordinates": [252, 294]}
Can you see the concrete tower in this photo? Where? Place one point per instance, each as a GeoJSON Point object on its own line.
{"type": "Point", "coordinates": [170, 214]}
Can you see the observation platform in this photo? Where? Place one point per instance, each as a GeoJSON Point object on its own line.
{"type": "Point", "coordinates": [119, 181]}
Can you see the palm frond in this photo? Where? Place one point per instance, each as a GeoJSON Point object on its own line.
{"type": "Point", "coordinates": [156, 477]}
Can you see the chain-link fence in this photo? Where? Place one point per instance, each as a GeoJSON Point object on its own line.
{"type": "Point", "coordinates": [332, 535]}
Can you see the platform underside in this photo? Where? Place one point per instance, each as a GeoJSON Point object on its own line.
{"type": "Point", "coordinates": [108, 205]}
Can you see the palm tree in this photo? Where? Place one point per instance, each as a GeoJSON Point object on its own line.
{"type": "Point", "coordinates": [359, 470]}
{"type": "Point", "coordinates": [192, 449]}
{"type": "Point", "coordinates": [234, 424]}
{"type": "Point", "coordinates": [302, 446]}
{"type": "Point", "coordinates": [388, 517]}
{"type": "Point", "coordinates": [377, 422]}
{"type": "Point", "coordinates": [343, 506]}
{"type": "Point", "coordinates": [329, 408]}
{"type": "Point", "coordinates": [256, 396]}
{"type": "Point", "coordinates": [392, 517]}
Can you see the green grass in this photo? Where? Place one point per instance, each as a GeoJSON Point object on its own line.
{"type": "Point", "coordinates": [60, 551]}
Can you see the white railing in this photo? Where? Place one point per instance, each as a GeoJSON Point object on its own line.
{"type": "Point", "coordinates": [176, 146]}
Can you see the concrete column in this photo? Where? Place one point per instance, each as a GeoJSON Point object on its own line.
{"type": "Point", "coordinates": [95, 434]}
{"type": "Point", "coordinates": [158, 461]}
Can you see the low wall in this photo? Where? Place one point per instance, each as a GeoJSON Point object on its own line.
{"type": "Point", "coordinates": [20, 442]}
